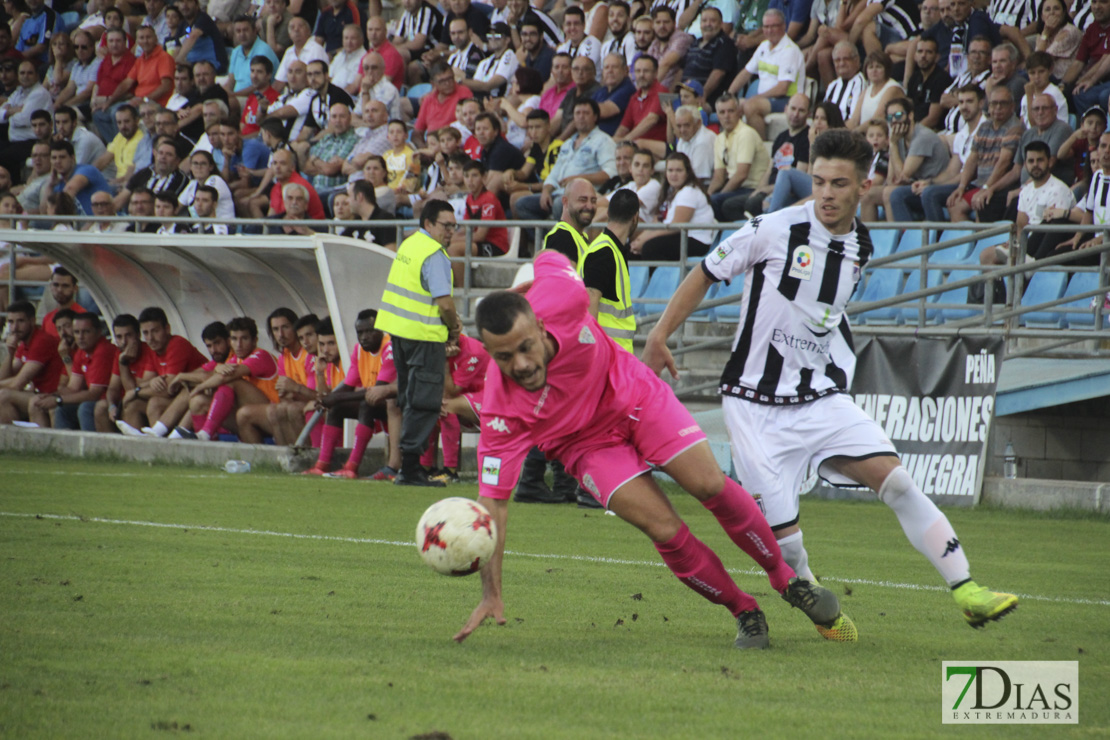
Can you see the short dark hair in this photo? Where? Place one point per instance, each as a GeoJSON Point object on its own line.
{"type": "Point", "coordinates": [66, 110]}
{"type": "Point", "coordinates": [60, 271]}
{"type": "Point", "coordinates": [365, 188]}
{"type": "Point", "coordinates": [124, 320]}
{"type": "Point", "coordinates": [841, 143]}
{"type": "Point", "coordinates": [262, 61]}
{"type": "Point", "coordinates": [903, 103]}
{"type": "Point", "coordinates": [153, 313]}
{"type": "Point", "coordinates": [210, 191]}
{"type": "Point", "coordinates": [663, 9]}
{"type": "Point", "coordinates": [1038, 146]}
{"type": "Point", "coordinates": [63, 313]}
{"type": "Point", "coordinates": [624, 205]}
{"type": "Point", "coordinates": [582, 100]}
{"type": "Point", "coordinates": [574, 10]}
{"type": "Point", "coordinates": [309, 319]}
{"type": "Point", "coordinates": [648, 58]}
{"type": "Point", "coordinates": [1039, 60]}
{"type": "Point", "coordinates": [626, 6]}
{"type": "Point", "coordinates": [92, 318]}
{"type": "Point", "coordinates": [61, 146]}
{"type": "Point", "coordinates": [215, 330]}
{"type": "Point", "coordinates": [128, 108]}
{"type": "Point", "coordinates": [971, 87]}
{"type": "Point", "coordinates": [432, 211]}
{"type": "Point", "coordinates": [41, 114]}
{"type": "Point", "coordinates": [529, 81]}
{"type": "Point", "coordinates": [537, 114]}
{"type": "Point", "coordinates": [26, 308]}
{"type": "Point", "coordinates": [166, 197]}
{"type": "Point", "coordinates": [493, 120]}
{"type": "Point", "coordinates": [474, 165]}
{"type": "Point", "coordinates": [366, 314]}
{"type": "Point", "coordinates": [499, 310]}
{"type": "Point", "coordinates": [243, 323]}
{"type": "Point", "coordinates": [324, 327]}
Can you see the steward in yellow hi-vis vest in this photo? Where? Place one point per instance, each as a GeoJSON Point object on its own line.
{"type": "Point", "coordinates": [418, 311]}
{"type": "Point", "coordinates": [614, 310]}
{"type": "Point", "coordinates": [408, 309]}
{"type": "Point", "coordinates": [566, 240]}
{"type": "Point", "coordinates": [604, 270]}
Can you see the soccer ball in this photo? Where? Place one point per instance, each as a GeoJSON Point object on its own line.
{"type": "Point", "coordinates": [456, 536]}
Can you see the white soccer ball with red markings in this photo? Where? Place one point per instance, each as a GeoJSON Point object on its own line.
{"type": "Point", "coordinates": [456, 536]}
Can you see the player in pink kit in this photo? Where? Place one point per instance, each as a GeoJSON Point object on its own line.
{"type": "Point", "coordinates": [466, 370]}
{"type": "Point", "coordinates": [565, 386]}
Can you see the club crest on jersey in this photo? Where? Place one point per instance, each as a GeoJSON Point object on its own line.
{"type": "Point", "coordinates": [801, 264]}
{"type": "Point", "coordinates": [719, 254]}
{"type": "Point", "coordinates": [586, 336]}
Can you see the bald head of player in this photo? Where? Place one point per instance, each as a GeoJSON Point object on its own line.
{"type": "Point", "coordinates": [579, 203]}
{"type": "Point", "coordinates": [515, 339]}
{"type": "Point", "coordinates": [839, 163]}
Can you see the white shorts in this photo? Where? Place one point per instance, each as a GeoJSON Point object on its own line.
{"type": "Point", "coordinates": [773, 446]}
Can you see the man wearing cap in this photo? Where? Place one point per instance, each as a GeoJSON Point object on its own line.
{"type": "Point", "coordinates": [712, 60]}
{"type": "Point", "coordinates": [495, 71]}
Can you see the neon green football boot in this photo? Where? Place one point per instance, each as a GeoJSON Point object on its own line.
{"type": "Point", "coordinates": [981, 605]}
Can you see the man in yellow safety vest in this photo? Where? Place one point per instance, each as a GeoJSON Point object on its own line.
{"type": "Point", "coordinates": [418, 311]}
{"type": "Point", "coordinates": [604, 270]}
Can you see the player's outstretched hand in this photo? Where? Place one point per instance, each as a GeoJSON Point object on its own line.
{"type": "Point", "coordinates": [657, 356]}
{"type": "Point", "coordinates": [489, 607]}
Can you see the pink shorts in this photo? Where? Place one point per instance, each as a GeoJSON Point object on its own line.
{"type": "Point", "coordinates": [474, 400]}
{"type": "Point", "coordinates": [657, 431]}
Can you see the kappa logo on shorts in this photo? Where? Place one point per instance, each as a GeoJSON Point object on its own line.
{"type": "Point", "coordinates": [801, 265]}
{"type": "Point", "coordinates": [588, 482]}
{"type": "Point", "coordinates": [498, 424]}
{"type": "Point", "coordinates": [586, 336]}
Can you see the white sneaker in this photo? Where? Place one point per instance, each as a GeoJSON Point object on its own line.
{"type": "Point", "coordinates": [149, 432]}
{"type": "Point", "coordinates": [127, 429]}
{"type": "Point", "coordinates": [25, 424]}
{"type": "Point", "coordinates": [175, 435]}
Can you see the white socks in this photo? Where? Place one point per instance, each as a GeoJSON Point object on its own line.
{"type": "Point", "coordinates": [794, 553]}
{"type": "Point", "coordinates": [926, 527]}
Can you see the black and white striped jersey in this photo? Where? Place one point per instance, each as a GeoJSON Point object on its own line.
{"type": "Point", "coordinates": [901, 16]}
{"type": "Point", "coordinates": [426, 20]}
{"type": "Point", "coordinates": [793, 344]}
{"type": "Point", "coordinates": [953, 121]}
{"type": "Point", "coordinates": [844, 93]}
{"type": "Point", "coordinates": [1083, 16]}
{"type": "Point", "coordinates": [552, 33]}
{"type": "Point", "coordinates": [1017, 13]}
{"type": "Point", "coordinates": [1097, 202]}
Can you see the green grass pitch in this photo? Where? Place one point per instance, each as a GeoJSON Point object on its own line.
{"type": "Point", "coordinates": [153, 601]}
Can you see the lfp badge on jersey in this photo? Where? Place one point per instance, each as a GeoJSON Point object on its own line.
{"type": "Point", "coordinates": [801, 265]}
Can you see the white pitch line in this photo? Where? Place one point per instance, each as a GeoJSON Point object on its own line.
{"type": "Point", "coordinates": [541, 556]}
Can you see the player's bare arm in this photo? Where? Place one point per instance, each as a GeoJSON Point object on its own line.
{"type": "Point", "coordinates": [491, 604]}
{"type": "Point", "coordinates": [684, 302]}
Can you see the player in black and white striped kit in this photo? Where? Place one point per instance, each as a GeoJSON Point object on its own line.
{"type": "Point", "coordinates": [785, 385]}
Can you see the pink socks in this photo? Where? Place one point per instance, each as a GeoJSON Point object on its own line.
{"type": "Point", "coordinates": [699, 568]}
{"type": "Point", "coordinates": [745, 524]}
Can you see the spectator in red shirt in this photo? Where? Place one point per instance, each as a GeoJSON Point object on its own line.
{"type": "Point", "coordinates": [74, 405]}
{"type": "Point", "coordinates": [481, 205]}
{"type": "Point", "coordinates": [437, 108]}
{"type": "Point", "coordinates": [262, 75]}
{"type": "Point", "coordinates": [172, 355]}
{"type": "Point", "coordinates": [284, 166]}
{"type": "Point", "coordinates": [63, 288]}
{"type": "Point", "coordinates": [644, 123]}
{"type": "Point", "coordinates": [377, 41]}
{"type": "Point", "coordinates": [107, 95]}
{"type": "Point", "coordinates": [32, 360]}
{"type": "Point", "coordinates": [151, 76]}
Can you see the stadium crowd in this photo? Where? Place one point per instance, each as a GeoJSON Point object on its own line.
{"type": "Point", "coordinates": [307, 110]}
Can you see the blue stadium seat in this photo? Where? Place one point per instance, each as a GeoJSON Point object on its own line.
{"type": "Point", "coordinates": [883, 241]}
{"type": "Point", "coordinates": [1081, 282]}
{"type": "Point", "coordinates": [910, 312]}
{"type": "Point", "coordinates": [664, 283]}
{"type": "Point", "coordinates": [638, 279]}
{"type": "Point", "coordinates": [883, 283]}
{"type": "Point", "coordinates": [911, 239]}
{"type": "Point", "coordinates": [1044, 287]}
{"type": "Point", "coordinates": [991, 241]}
{"type": "Point", "coordinates": [958, 296]}
{"type": "Point", "coordinates": [419, 91]}
{"type": "Point", "coordinates": [706, 314]}
{"type": "Point", "coordinates": [957, 254]}
{"type": "Point", "coordinates": [730, 311]}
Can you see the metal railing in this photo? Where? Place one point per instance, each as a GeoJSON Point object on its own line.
{"type": "Point", "coordinates": [990, 318]}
